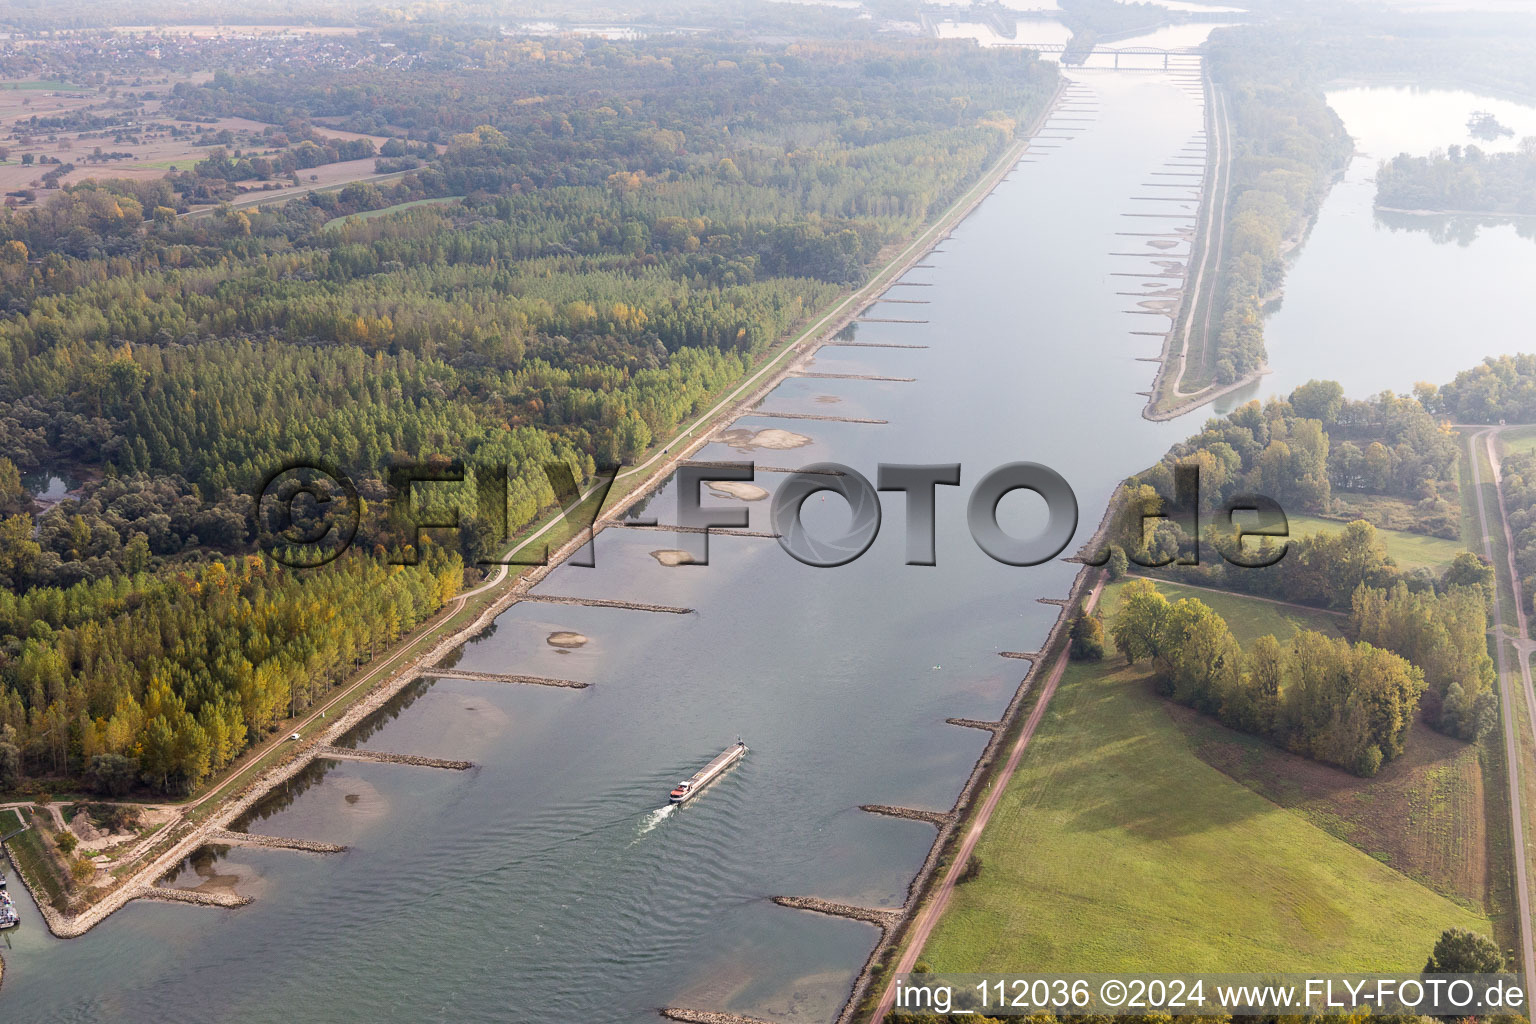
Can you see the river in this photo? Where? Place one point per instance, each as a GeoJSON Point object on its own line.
{"type": "Point", "coordinates": [552, 882]}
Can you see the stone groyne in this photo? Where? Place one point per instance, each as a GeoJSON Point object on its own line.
{"type": "Point", "coordinates": [504, 677]}
{"type": "Point", "coordinates": [939, 818]}
{"type": "Point", "coordinates": [882, 919]}
{"type": "Point", "coordinates": [869, 344]}
{"type": "Point", "coordinates": [604, 602]}
{"type": "Point", "coordinates": [350, 754]}
{"type": "Point", "coordinates": [705, 1016]}
{"type": "Point", "coordinates": [808, 375]}
{"type": "Point", "coordinates": [975, 723]}
{"type": "Point", "coordinates": [224, 835]}
{"type": "Point", "coordinates": [769, 414]}
{"type": "Point", "coordinates": [226, 900]}
{"type": "Point", "coordinates": [807, 471]}
{"type": "Point", "coordinates": [718, 531]}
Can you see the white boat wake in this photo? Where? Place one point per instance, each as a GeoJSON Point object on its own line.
{"type": "Point", "coordinates": [656, 817]}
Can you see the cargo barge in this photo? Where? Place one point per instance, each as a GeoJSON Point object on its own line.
{"type": "Point", "coordinates": [687, 789]}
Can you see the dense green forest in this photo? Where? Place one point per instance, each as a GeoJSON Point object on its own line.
{"type": "Point", "coordinates": [1461, 179]}
{"type": "Point", "coordinates": [626, 228]}
{"type": "Point", "coordinates": [168, 678]}
{"type": "Point", "coordinates": [1499, 388]}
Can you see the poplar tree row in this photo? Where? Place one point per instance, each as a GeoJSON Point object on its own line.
{"type": "Point", "coordinates": [176, 675]}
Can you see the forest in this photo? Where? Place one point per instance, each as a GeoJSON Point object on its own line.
{"type": "Point", "coordinates": [165, 680]}
{"type": "Point", "coordinates": [1462, 179]}
{"type": "Point", "coordinates": [619, 231]}
{"type": "Point", "coordinates": [1416, 638]}
{"type": "Point", "coordinates": [1498, 388]}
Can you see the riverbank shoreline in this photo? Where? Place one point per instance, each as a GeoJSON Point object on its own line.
{"type": "Point", "coordinates": [1479, 214]}
{"type": "Point", "coordinates": [982, 775]}
{"type": "Point", "coordinates": [1192, 402]}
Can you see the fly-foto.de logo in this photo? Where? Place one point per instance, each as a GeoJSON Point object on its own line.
{"type": "Point", "coordinates": [308, 513]}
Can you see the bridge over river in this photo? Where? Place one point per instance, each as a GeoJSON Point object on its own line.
{"type": "Point", "coordinates": [1121, 58]}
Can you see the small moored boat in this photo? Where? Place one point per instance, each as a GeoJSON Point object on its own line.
{"type": "Point", "coordinates": [8, 916]}
{"type": "Point", "coordinates": [688, 788]}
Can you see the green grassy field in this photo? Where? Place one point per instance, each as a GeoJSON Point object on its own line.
{"type": "Point", "coordinates": [1116, 847]}
{"type": "Point", "coordinates": [33, 861]}
{"type": "Point", "coordinates": [1120, 845]}
{"type": "Point", "coordinates": [370, 214]}
{"type": "Point", "coordinates": [1423, 814]}
{"type": "Point", "coordinates": [1518, 439]}
{"type": "Point", "coordinates": [1247, 617]}
{"type": "Point", "coordinates": [1409, 550]}
{"type": "Point", "coordinates": [50, 83]}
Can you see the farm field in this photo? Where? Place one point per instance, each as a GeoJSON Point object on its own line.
{"type": "Point", "coordinates": [154, 154]}
{"type": "Point", "coordinates": [48, 83]}
{"type": "Point", "coordinates": [1134, 825]}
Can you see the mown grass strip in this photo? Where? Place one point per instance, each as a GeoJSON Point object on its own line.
{"type": "Point", "coordinates": [385, 211]}
{"type": "Point", "coordinates": [32, 860]}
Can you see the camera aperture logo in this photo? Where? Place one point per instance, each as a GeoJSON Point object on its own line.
{"type": "Point", "coordinates": [307, 514]}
